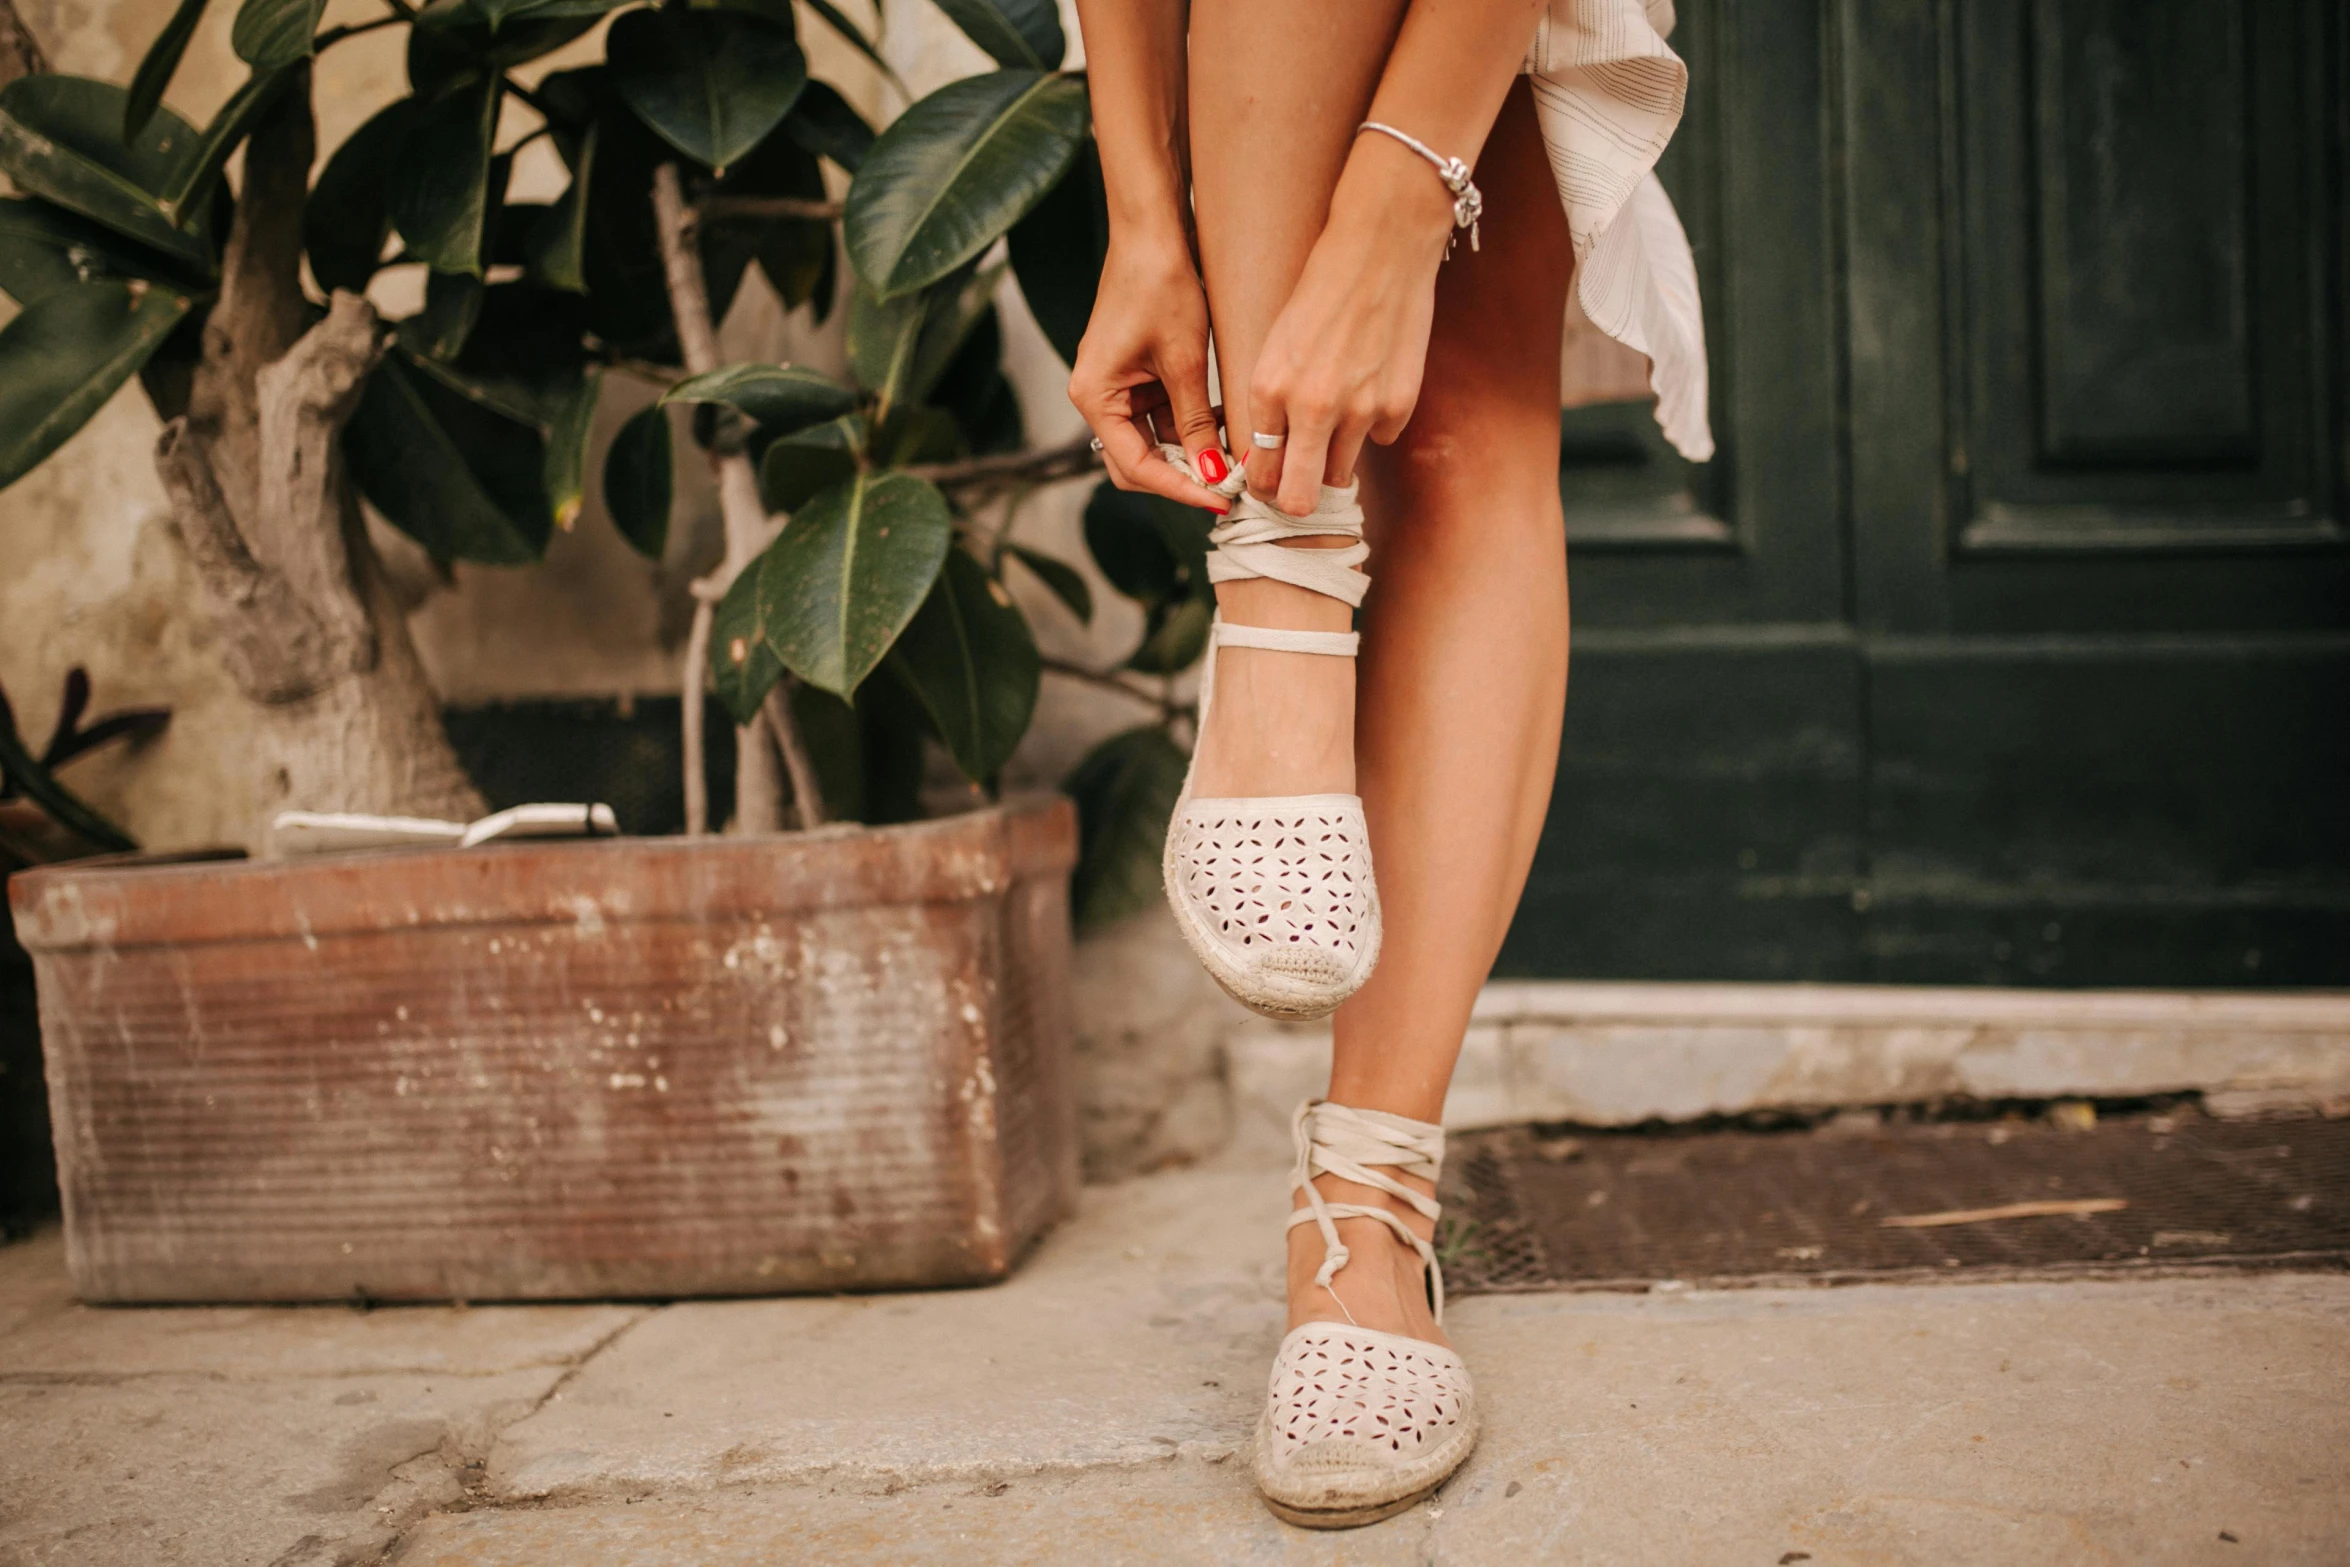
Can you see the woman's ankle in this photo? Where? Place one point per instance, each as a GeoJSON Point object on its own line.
{"type": "Point", "coordinates": [1383, 1285]}
{"type": "Point", "coordinates": [1281, 723]}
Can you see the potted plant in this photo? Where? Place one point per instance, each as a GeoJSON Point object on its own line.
{"type": "Point", "coordinates": [648, 1066]}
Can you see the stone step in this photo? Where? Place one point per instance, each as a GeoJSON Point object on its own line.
{"type": "Point", "coordinates": [1618, 1054]}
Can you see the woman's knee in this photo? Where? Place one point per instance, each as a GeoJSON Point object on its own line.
{"type": "Point", "coordinates": [1474, 446]}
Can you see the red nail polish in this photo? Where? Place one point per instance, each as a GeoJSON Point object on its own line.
{"type": "Point", "coordinates": [1221, 511]}
{"type": "Point", "coordinates": [1211, 463]}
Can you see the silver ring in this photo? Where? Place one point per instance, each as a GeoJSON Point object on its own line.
{"type": "Point", "coordinates": [1097, 443]}
{"type": "Point", "coordinates": [1266, 443]}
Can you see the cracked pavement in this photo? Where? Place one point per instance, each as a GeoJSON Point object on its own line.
{"type": "Point", "coordinates": [1097, 1409]}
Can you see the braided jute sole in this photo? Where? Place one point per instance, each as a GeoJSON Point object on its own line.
{"type": "Point", "coordinates": [1347, 1517]}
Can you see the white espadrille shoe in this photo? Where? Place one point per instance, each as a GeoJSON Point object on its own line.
{"type": "Point", "coordinates": [1360, 1424]}
{"type": "Point", "coordinates": [1276, 894]}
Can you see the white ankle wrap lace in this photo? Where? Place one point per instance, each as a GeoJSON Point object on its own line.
{"type": "Point", "coordinates": [1351, 1144]}
{"type": "Point", "coordinates": [1247, 543]}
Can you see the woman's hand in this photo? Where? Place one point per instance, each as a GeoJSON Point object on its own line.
{"type": "Point", "coordinates": [1344, 359]}
{"type": "Point", "coordinates": [1142, 371]}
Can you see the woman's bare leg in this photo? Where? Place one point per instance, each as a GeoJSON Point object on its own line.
{"type": "Point", "coordinates": [1277, 88]}
{"type": "Point", "coordinates": [1465, 647]}
{"type": "Point", "coordinates": [1465, 636]}
{"type": "Point", "coordinates": [1464, 681]}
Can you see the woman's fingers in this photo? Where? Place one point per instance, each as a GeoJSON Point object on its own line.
{"type": "Point", "coordinates": [1305, 457]}
{"type": "Point", "coordinates": [1124, 423]}
{"type": "Point", "coordinates": [1346, 448]}
{"type": "Point", "coordinates": [1185, 379]}
{"type": "Point", "coordinates": [1266, 417]}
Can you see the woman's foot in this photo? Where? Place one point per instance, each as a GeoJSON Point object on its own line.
{"type": "Point", "coordinates": [1384, 1286]}
{"type": "Point", "coordinates": [1368, 1410]}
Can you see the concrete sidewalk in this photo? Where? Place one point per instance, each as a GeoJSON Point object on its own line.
{"type": "Point", "coordinates": [1097, 1409]}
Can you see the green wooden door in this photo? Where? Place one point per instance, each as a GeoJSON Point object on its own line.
{"type": "Point", "coordinates": [2007, 638]}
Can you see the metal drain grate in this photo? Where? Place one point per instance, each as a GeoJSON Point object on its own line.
{"type": "Point", "coordinates": [1617, 1210]}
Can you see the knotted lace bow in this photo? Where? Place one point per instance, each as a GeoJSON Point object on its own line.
{"type": "Point", "coordinates": [1333, 1139]}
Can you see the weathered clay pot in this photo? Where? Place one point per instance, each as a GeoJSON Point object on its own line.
{"type": "Point", "coordinates": [635, 1067]}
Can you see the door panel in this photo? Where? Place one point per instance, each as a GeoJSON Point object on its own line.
{"type": "Point", "coordinates": [2138, 133]}
{"type": "Point", "coordinates": [1749, 174]}
{"type": "Point", "coordinates": [2138, 347]}
{"type": "Point", "coordinates": [2022, 651]}
{"type": "Point", "coordinates": [1710, 789]}
{"type": "Point", "coordinates": [2108, 811]}
{"type": "Point", "coordinates": [2095, 364]}
{"type": "Point", "coordinates": [1706, 816]}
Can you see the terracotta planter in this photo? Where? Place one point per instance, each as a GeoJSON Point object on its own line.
{"type": "Point", "coordinates": [639, 1067]}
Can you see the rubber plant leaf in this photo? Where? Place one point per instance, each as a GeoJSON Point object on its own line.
{"type": "Point", "coordinates": [65, 354]}
{"type": "Point", "coordinates": [955, 171]}
{"type": "Point", "coordinates": [523, 359]}
{"type": "Point", "coordinates": [639, 483]}
{"type": "Point", "coordinates": [824, 124]}
{"type": "Point", "coordinates": [61, 139]}
{"type": "Point", "coordinates": [452, 304]}
{"type": "Point", "coordinates": [1067, 583]}
{"type": "Point", "coordinates": [780, 399]}
{"type": "Point", "coordinates": [462, 480]}
{"type": "Point", "coordinates": [731, 241]}
{"type": "Point", "coordinates": [556, 247]}
{"type": "Point", "coordinates": [1125, 789]}
{"type": "Point", "coordinates": [1015, 33]}
{"type": "Point", "coordinates": [848, 573]}
{"type": "Point", "coordinates": [567, 452]}
{"type": "Point", "coordinates": [271, 33]}
{"type": "Point", "coordinates": [1057, 253]}
{"type": "Point", "coordinates": [44, 248]}
{"type": "Point", "coordinates": [900, 347]}
{"type": "Point", "coordinates": [1153, 550]}
{"type": "Point", "coordinates": [797, 468]}
{"type": "Point", "coordinates": [711, 83]}
{"type": "Point", "coordinates": [499, 12]}
{"type": "Point", "coordinates": [438, 194]}
{"type": "Point", "coordinates": [157, 67]}
{"type": "Point", "coordinates": [346, 221]}
{"type": "Point", "coordinates": [969, 656]}
{"type": "Point", "coordinates": [743, 668]}
{"type": "Point", "coordinates": [450, 41]}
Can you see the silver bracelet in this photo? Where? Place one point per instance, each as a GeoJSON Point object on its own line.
{"type": "Point", "coordinates": [1468, 203]}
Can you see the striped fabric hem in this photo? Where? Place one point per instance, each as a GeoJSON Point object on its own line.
{"type": "Point", "coordinates": [1608, 91]}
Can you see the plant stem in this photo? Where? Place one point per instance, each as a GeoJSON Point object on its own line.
{"type": "Point", "coordinates": [807, 790]}
{"type": "Point", "coordinates": [693, 680]}
{"type": "Point", "coordinates": [526, 138]}
{"type": "Point", "coordinates": [977, 477]}
{"type": "Point", "coordinates": [515, 89]}
{"type": "Point", "coordinates": [1109, 680]}
{"type": "Point", "coordinates": [758, 787]}
{"type": "Point", "coordinates": [662, 376]}
{"type": "Point", "coordinates": [335, 35]}
{"type": "Point", "coordinates": [714, 207]}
